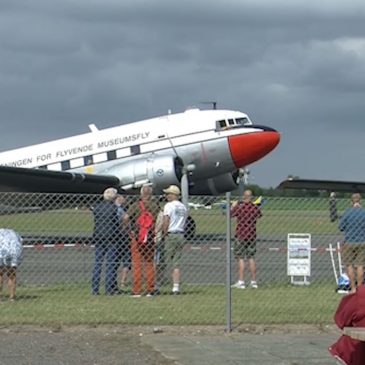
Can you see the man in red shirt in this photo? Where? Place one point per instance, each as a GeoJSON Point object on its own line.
{"type": "Point", "coordinates": [246, 214]}
{"type": "Point", "coordinates": [350, 313]}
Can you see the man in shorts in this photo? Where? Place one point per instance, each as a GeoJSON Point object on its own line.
{"type": "Point", "coordinates": [246, 214]}
{"type": "Point", "coordinates": [353, 253]}
{"type": "Point", "coordinates": [10, 256]}
{"type": "Point", "coordinates": [173, 226]}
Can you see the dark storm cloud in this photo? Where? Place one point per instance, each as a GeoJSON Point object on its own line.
{"type": "Point", "coordinates": [297, 66]}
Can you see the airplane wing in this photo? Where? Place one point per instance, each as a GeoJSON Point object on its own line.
{"type": "Point", "coordinates": [328, 185]}
{"type": "Point", "coordinates": [17, 179]}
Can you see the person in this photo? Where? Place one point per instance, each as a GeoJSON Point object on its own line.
{"type": "Point", "coordinates": [10, 256]}
{"type": "Point", "coordinates": [106, 237]}
{"type": "Point", "coordinates": [174, 218]}
{"type": "Point", "coordinates": [124, 249]}
{"type": "Point", "coordinates": [352, 223]}
{"type": "Point", "coordinates": [246, 214]}
{"type": "Point", "coordinates": [141, 218]}
{"type": "Point", "coordinates": [159, 253]}
{"type": "Point", "coordinates": [350, 313]}
{"type": "Point", "coordinates": [333, 207]}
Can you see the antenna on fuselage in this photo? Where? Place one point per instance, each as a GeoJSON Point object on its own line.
{"type": "Point", "coordinates": [212, 103]}
{"type": "Point", "coordinates": [93, 128]}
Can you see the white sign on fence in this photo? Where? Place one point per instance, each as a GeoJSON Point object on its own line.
{"type": "Point", "coordinates": [299, 256]}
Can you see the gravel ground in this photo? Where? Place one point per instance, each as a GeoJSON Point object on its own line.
{"type": "Point", "coordinates": [99, 346]}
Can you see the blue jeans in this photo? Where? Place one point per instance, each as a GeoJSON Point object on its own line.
{"type": "Point", "coordinates": [108, 252]}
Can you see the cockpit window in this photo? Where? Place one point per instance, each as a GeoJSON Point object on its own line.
{"type": "Point", "coordinates": [231, 123]}
{"type": "Point", "coordinates": [242, 121]}
{"type": "Point", "coordinates": [221, 124]}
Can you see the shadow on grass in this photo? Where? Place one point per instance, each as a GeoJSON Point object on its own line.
{"type": "Point", "coordinates": [26, 297]}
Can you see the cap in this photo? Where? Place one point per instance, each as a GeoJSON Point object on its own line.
{"type": "Point", "coordinates": [172, 189]}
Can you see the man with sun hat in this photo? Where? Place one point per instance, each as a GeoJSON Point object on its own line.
{"type": "Point", "coordinates": [174, 219]}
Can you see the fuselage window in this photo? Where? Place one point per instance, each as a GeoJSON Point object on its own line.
{"type": "Point", "coordinates": [65, 165]}
{"type": "Point", "coordinates": [231, 121]}
{"type": "Point", "coordinates": [111, 155]}
{"type": "Point", "coordinates": [135, 150]}
{"type": "Point", "coordinates": [88, 160]}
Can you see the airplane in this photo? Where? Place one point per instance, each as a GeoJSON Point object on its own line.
{"type": "Point", "coordinates": [197, 206]}
{"type": "Point", "coordinates": [326, 185]}
{"type": "Point", "coordinates": [212, 144]}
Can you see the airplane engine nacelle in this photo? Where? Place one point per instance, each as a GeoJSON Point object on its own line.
{"type": "Point", "coordinates": [160, 171]}
{"type": "Point", "coordinates": [215, 186]}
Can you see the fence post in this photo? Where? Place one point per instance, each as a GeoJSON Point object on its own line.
{"type": "Point", "coordinates": [228, 265]}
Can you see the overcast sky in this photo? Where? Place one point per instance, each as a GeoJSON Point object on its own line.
{"type": "Point", "coordinates": [297, 66]}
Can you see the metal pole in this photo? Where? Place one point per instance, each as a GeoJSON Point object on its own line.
{"type": "Point", "coordinates": [228, 265]}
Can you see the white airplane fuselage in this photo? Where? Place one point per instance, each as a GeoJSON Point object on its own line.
{"type": "Point", "coordinates": [215, 142]}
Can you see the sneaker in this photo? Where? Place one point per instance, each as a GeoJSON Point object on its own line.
{"type": "Point", "coordinates": [136, 295]}
{"type": "Point", "coordinates": [239, 285]}
{"type": "Point", "coordinates": [115, 292]}
{"type": "Point", "coordinates": [254, 284]}
{"type": "Point", "coordinates": [175, 292]}
{"type": "Point", "coordinates": [153, 293]}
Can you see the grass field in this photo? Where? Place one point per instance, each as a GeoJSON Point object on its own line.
{"type": "Point", "coordinates": [280, 216]}
{"type": "Point", "coordinates": [199, 305]}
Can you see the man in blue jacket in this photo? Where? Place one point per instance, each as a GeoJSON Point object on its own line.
{"type": "Point", "coordinates": [106, 238]}
{"type": "Point", "coordinates": [353, 224]}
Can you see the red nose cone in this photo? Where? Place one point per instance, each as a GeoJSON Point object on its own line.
{"type": "Point", "coordinates": [250, 147]}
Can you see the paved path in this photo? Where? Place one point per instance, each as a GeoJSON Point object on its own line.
{"type": "Point", "coordinates": [245, 349]}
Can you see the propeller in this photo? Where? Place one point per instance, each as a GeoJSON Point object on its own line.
{"type": "Point", "coordinates": [242, 180]}
{"type": "Point", "coordinates": [187, 170]}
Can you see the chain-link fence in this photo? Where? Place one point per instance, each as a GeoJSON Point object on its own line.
{"type": "Point", "coordinates": [297, 255]}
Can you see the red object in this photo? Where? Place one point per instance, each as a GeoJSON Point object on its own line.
{"type": "Point", "coordinates": [350, 313]}
{"type": "Point", "coordinates": [246, 215]}
{"type": "Point", "coordinates": [250, 147]}
{"type": "Point", "coordinates": [145, 223]}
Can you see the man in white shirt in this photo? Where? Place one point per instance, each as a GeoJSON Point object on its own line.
{"type": "Point", "coordinates": [174, 218]}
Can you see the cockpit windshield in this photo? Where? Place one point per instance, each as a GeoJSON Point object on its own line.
{"type": "Point", "coordinates": [232, 123]}
{"type": "Point", "coordinates": [243, 121]}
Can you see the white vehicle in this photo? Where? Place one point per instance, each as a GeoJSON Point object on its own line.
{"type": "Point", "coordinates": [213, 143]}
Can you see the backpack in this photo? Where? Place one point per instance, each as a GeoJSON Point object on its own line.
{"type": "Point", "coordinates": [145, 223]}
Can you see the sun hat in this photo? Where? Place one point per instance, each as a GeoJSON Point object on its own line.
{"type": "Point", "coordinates": [172, 189]}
